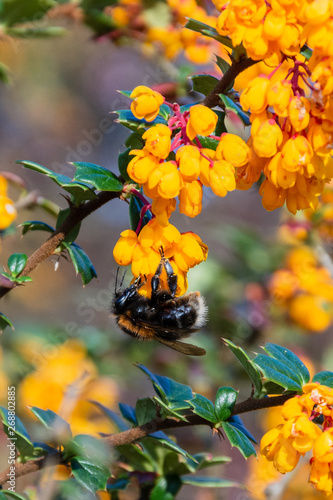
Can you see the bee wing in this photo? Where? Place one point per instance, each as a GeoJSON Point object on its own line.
{"type": "Point", "coordinates": [189, 349]}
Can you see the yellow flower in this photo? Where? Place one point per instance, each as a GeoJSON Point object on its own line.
{"type": "Point", "coordinates": [190, 199]}
{"type": "Point", "coordinates": [8, 212]}
{"type": "Point", "coordinates": [298, 112]}
{"type": "Point", "coordinates": [202, 121]}
{"type": "Point", "coordinates": [233, 149]}
{"type": "Point", "coordinates": [190, 251]}
{"type": "Point", "coordinates": [158, 140]}
{"type": "Point", "coordinates": [254, 96]}
{"type": "Point", "coordinates": [267, 138]}
{"type": "Point", "coordinates": [279, 450]}
{"type": "Point", "coordinates": [142, 165]}
{"type": "Point", "coordinates": [124, 248]}
{"type": "Point", "coordinates": [296, 153]}
{"type": "Point", "coordinates": [222, 178]}
{"type": "Point", "coordinates": [165, 181]}
{"type": "Point", "coordinates": [146, 103]}
{"type": "Point", "coordinates": [321, 476]}
{"type": "Point", "coordinates": [278, 95]}
{"type": "Point", "coordinates": [310, 312]}
{"type": "Point", "coordinates": [163, 209]}
{"type": "Point", "coordinates": [189, 159]}
{"type": "Point", "coordinates": [323, 447]}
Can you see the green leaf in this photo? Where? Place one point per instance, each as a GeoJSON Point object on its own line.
{"type": "Point", "coordinates": [230, 105]}
{"type": "Point", "coordinates": [16, 11]}
{"type": "Point", "coordinates": [91, 448]}
{"type": "Point", "coordinates": [324, 378]}
{"type": "Point", "coordinates": [161, 490]}
{"type": "Point", "coordinates": [52, 421]}
{"type": "Point", "coordinates": [101, 178]}
{"type": "Point", "coordinates": [238, 439]}
{"type": "Point", "coordinates": [78, 190]}
{"type": "Point", "coordinates": [4, 322]}
{"type": "Point", "coordinates": [135, 208]}
{"type": "Point", "coordinates": [35, 225]}
{"type": "Point", "coordinates": [167, 411]}
{"type": "Point", "coordinates": [72, 235]}
{"type": "Point", "coordinates": [272, 388]}
{"type": "Point", "coordinates": [81, 262]}
{"type": "Point", "coordinates": [206, 460]}
{"type": "Point", "coordinates": [224, 402]}
{"type": "Point", "coordinates": [88, 474]}
{"type": "Point", "coordinates": [135, 141]}
{"type": "Point", "coordinates": [290, 359]}
{"type": "Point", "coordinates": [245, 361]}
{"type": "Point", "coordinates": [208, 142]}
{"type": "Point", "coordinates": [173, 393]}
{"type": "Point", "coordinates": [123, 161]}
{"type": "Point", "coordinates": [220, 127]}
{"type": "Point", "coordinates": [145, 410]}
{"type": "Point", "coordinates": [203, 83]}
{"type": "Point", "coordinates": [165, 112]}
{"type": "Point", "coordinates": [277, 372]}
{"type": "Point", "coordinates": [207, 30]}
{"type": "Point", "coordinates": [209, 482]}
{"type": "Point", "coordinates": [204, 408]}
{"type": "Point", "coordinates": [222, 64]}
{"type": "Point", "coordinates": [128, 412]}
{"type": "Point", "coordinates": [111, 415]}
{"type": "Point", "coordinates": [136, 458]}
{"type": "Point", "coordinates": [306, 52]}
{"type": "Point", "coordinates": [23, 279]}
{"type": "Point", "coordinates": [16, 263]}
{"type": "Point", "coordinates": [128, 120]}
{"type": "Point", "coordinates": [118, 484]}
{"type": "Point", "coordinates": [36, 32]}
{"type": "Point", "coordinates": [4, 73]}
{"type": "Point", "coordinates": [5, 494]}
{"type": "Point", "coordinates": [16, 432]}
{"type": "Point", "coordinates": [171, 445]}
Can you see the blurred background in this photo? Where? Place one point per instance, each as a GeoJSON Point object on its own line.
{"type": "Point", "coordinates": [58, 109]}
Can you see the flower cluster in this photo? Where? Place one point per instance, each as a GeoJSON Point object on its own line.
{"type": "Point", "coordinates": [168, 36]}
{"type": "Point", "coordinates": [176, 161]}
{"type": "Point", "coordinates": [7, 208]}
{"type": "Point", "coordinates": [299, 433]}
{"type": "Point", "coordinates": [304, 288]}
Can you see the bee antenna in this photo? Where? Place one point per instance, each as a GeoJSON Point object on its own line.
{"type": "Point", "coordinates": [122, 279]}
{"type": "Point", "coordinates": [116, 282]}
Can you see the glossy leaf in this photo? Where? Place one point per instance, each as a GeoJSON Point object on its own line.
{"type": "Point", "coordinates": [162, 489]}
{"type": "Point", "coordinates": [81, 262]}
{"type": "Point", "coordinates": [101, 178]}
{"type": "Point", "coordinates": [111, 415]}
{"type": "Point", "coordinates": [245, 361]}
{"type": "Point", "coordinates": [4, 322]}
{"type": "Point", "coordinates": [324, 378]}
{"type": "Point", "coordinates": [135, 141]}
{"type": "Point", "coordinates": [237, 422]}
{"type": "Point", "coordinates": [278, 372]}
{"type": "Point", "coordinates": [222, 64]}
{"type": "Point", "coordinates": [204, 408]}
{"type": "Point", "coordinates": [72, 235]}
{"type": "Point", "coordinates": [203, 83]}
{"type": "Point", "coordinates": [123, 161]}
{"type": "Point", "coordinates": [128, 412]}
{"type": "Point", "coordinates": [208, 142]}
{"type": "Point", "coordinates": [209, 482]}
{"type": "Point", "coordinates": [35, 225]}
{"type": "Point", "coordinates": [145, 410]}
{"type": "Point", "coordinates": [230, 105]}
{"type": "Point", "coordinates": [207, 30]}
{"type": "Point", "coordinates": [290, 359]}
{"type": "Point", "coordinates": [237, 438]}
{"type": "Point", "coordinates": [171, 445]}
{"type": "Point", "coordinates": [165, 112]}
{"type": "Point", "coordinates": [16, 432]}
{"type": "Point", "coordinates": [135, 208]}
{"type": "Point", "coordinates": [167, 411]}
{"type": "Point", "coordinates": [16, 263]}
{"type": "Point", "coordinates": [128, 120]}
{"type": "Point", "coordinates": [136, 458]}
{"type": "Point", "coordinates": [52, 421]}
{"type": "Point", "coordinates": [79, 191]}
{"type": "Point", "coordinates": [206, 460]}
{"type": "Point", "coordinates": [224, 402]}
{"type": "Point", "coordinates": [88, 474]}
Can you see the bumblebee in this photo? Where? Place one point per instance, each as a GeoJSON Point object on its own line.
{"type": "Point", "coordinates": [162, 317]}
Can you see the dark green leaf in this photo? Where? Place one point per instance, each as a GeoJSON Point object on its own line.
{"type": "Point", "coordinates": [272, 388]}
{"type": "Point", "coordinates": [72, 235]}
{"type": "Point", "coordinates": [237, 422]}
{"type": "Point", "coordinates": [118, 484]}
{"type": "Point", "coordinates": [111, 415]}
{"type": "Point", "coordinates": [161, 490]}
{"type": "Point", "coordinates": [123, 161]}
{"type": "Point", "coordinates": [204, 408]}
{"type": "Point", "coordinates": [16, 431]}
{"type": "Point", "coordinates": [52, 421]}
{"type": "Point", "coordinates": [165, 112]}
{"type": "Point", "coordinates": [135, 141]}
{"type": "Point", "coordinates": [222, 64]}
{"type": "Point", "coordinates": [224, 402]}
{"type": "Point", "coordinates": [209, 482]}
{"type": "Point", "coordinates": [88, 474]}
{"type": "Point", "coordinates": [16, 263]}
{"type": "Point", "coordinates": [91, 448]}
{"type": "Point", "coordinates": [79, 191]}
{"type": "Point", "coordinates": [167, 411]}
{"type": "Point", "coordinates": [145, 410]}
{"type": "Point", "coordinates": [4, 321]}
{"type": "Point", "coordinates": [135, 208]}
{"type": "Point", "coordinates": [207, 30]}
{"type": "Point", "coordinates": [306, 52]}
{"type": "Point", "coordinates": [5, 494]}
{"type": "Point", "coordinates": [220, 127]}
{"type": "Point", "coordinates": [128, 120]}
{"type": "Point", "coordinates": [230, 105]}
{"type": "Point", "coordinates": [35, 225]}
{"type": "Point", "coordinates": [324, 378]}
{"type": "Point", "coordinates": [277, 372]}
{"type": "Point", "coordinates": [81, 262]}
{"type": "Point", "coordinates": [203, 83]}
{"type": "Point", "coordinates": [16, 11]}
{"type": "Point", "coordinates": [136, 458]}
{"type": "Point", "coordinates": [245, 361]}
{"type": "Point", "coordinates": [208, 142]}
{"type": "Point", "coordinates": [171, 445]}
{"type": "Point", "coordinates": [128, 412]}
{"type": "Point", "coordinates": [290, 359]}
{"type": "Point", "coordinates": [36, 32]}
{"type": "Point", "coordinates": [99, 177]}
{"type": "Point", "coordinates": [238, 439]}
{"type": "Point", "coordinates": [206, 460]}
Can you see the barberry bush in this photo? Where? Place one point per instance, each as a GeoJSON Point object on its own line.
{"type": "Point", "coordinates": [259, 117]}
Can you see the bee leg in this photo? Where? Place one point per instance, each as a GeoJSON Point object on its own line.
{"type": "Point", "coordinates": [155, 281]}
{"type": "Point", "coordinates": [172, 277]}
